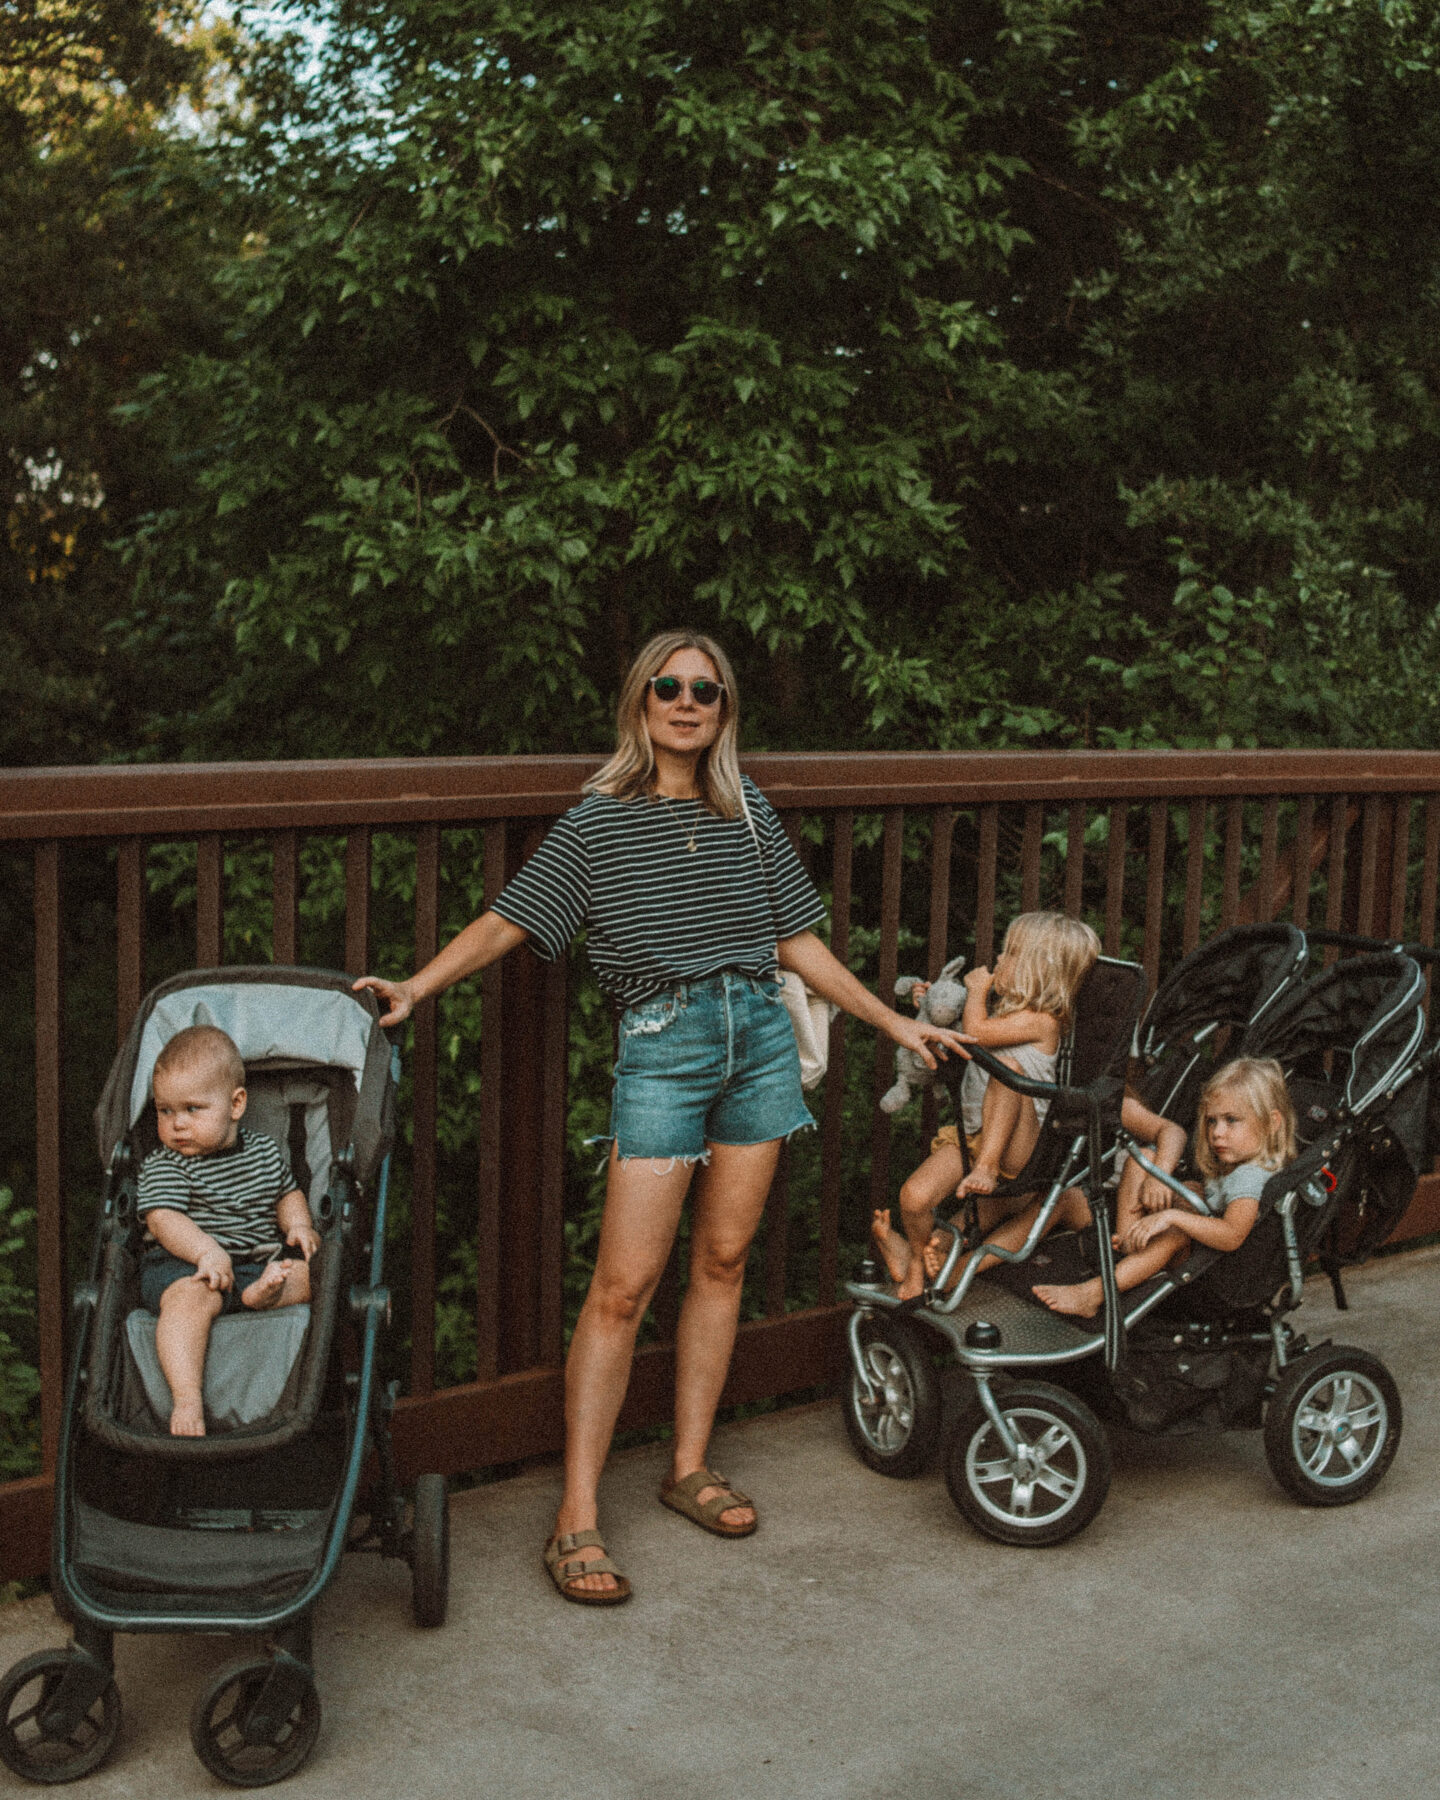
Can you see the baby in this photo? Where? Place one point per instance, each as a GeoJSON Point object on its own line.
{"type": "Point", "coordinates": [211, 1198]}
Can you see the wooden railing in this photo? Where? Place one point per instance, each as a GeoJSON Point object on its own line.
{"type": "Point", "coordinates": [920, 856]}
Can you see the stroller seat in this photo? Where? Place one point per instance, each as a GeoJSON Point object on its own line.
{"type": "Point", "coordinates": [248, 1364]}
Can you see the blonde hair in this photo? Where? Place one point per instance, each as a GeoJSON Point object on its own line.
{"type": "Point", "coordinates": [630, 771]}
{"type": "Point", "coordinates": [1260, 1082]}
{"type": "Point", "coordinates": [202, 1050]}
{"type": "Point", "coordinates": [1051, 954]}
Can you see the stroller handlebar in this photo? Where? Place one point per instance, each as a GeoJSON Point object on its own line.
{"type": "Point", "coordinates": [1023, 1084]}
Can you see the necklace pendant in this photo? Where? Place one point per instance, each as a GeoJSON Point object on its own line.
{"type": "Point", "coordinates": [692, 846]}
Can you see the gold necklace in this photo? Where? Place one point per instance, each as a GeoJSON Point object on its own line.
{"type": "Point", "coordinates": [691, 845]}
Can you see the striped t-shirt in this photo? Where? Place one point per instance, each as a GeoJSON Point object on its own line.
{"type": "Point", "coordinates": [658, 912]}
{"type": "Point", "coordinates": [231, 1194]}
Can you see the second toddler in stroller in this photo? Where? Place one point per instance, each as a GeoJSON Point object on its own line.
{"type": "Point", "coordinates": [1244, 1133]}
{"type": "Point", "coordinates": [212, 1198]}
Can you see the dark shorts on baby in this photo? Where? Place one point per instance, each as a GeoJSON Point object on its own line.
{"type": "Point", "coordinates": [160, 1270]}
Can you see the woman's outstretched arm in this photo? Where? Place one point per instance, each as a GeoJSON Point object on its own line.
{"type": "Point", "coordinates": [483, 941]}
{"type": "Point", "coordinates": [828, 976]}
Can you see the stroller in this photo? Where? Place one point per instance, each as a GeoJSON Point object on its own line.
{"type": "Point", "coordinates": [1191, 1349]}
{"type": "Point", "coordinates": [240, 1530]}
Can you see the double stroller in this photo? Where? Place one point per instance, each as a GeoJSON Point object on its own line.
{"type": "Point", "coordinates": [1206, 1346]}
{"type": "Point", "coordinates": [238, 1531]}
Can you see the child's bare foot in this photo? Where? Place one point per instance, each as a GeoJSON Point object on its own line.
{"type": "Point", "coordinates": [894, 1250]}
{"type": "Point", "coordinates": [981, 1180]}
{"type": "Point", "coordinates": [187, 1418]}
{"type": "Point", "coordinates": [267, 1288]}
{"type": "Point", "coordinates": [1081, 1301]}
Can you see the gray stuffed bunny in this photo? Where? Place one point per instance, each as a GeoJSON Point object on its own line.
{"type": "Point", "coordinates": [943, 1005]}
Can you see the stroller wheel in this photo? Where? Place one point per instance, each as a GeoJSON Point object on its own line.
{"type": "Point", "coordinates": [897, 1431]}
{"type": "Point", "coordinates": [234, 1739]}
{"type": "Point", "coordinates": [1333, 1426]}
{"type": "Point", "coordinates": [430, 1551]}
{"type": "Point", "coordinates": [1054, 1483]}
{"type": "Point", "coordinates": [47, 1749]}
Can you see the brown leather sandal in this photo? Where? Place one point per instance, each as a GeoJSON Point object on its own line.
{"type": "Point", "coordinates": [679, 1496]}
{"type": "Point", "coordinates": [566, 1569]}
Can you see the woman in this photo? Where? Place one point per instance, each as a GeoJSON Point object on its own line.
{"type": "Point", "coordinates": [689, 888]}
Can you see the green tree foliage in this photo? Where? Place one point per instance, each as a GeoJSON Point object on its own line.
{"type": "Point", "coordinates": [107, 253]}
{"type": "Point", "coordinates": [1053, 370]}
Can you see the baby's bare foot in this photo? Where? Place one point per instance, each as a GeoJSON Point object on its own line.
{"type": "Point", "coordinates": [982, 1179]}
{"type": "Point", "coordinates": [1081, 1301]}
{"type": "Point", "coordinates": [187, 1419]}
{"type": "Point", "coordinates": [267, 1287]}
{"type": "Point", "coordinates": [894, 1250]}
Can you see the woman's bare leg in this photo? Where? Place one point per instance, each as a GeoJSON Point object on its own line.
{"type": "Point", "coordinates": [643, 1198]}
{"type": "Point", "coordinates": [931, 1183]}
{"type": "Point", "coordinates": [729, 1203]}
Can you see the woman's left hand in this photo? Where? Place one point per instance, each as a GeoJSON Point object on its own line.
{"type": "Point", "coordinates": [917, 1035]}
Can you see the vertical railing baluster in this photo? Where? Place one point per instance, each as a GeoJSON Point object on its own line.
{"type": "Point", "coordinates": [1115, 878]}
{"type": "Point", "coordinates": [1335, 871]}
{"type": "Point", "coordinates": [777, 1236]}
{"type": "Point", "coordinates": [357, 899]}
{"type": "Point", "coordinates": [1399, 866]}
{"type": "Point", "coordinates": [1234, 843]}
{"type": "Point", "coordinates": [129, 932]}
{"type": "Point", "coordinates": [777, 1201]}
{"type": "Point", "coordinates": [1155, 889]}
{"type": "Point", "coordinates": [1303, 856]}
{"type": "Point", "coordinates": [1030, 844]}
{"type": "Point", "coordinates": [487, 1243]}
{"type": "Point", "coordinates": [425, 1119]}
{"type": "Point", "coordinates": [891, 866]}
{"type": "Point", "coordinates": [51, 1274]}
{"type": "Point", "coordinates": [209, 900]}
{"type": "Point", "coordinates": [1075, 859]}
{"type": "Point", "coordinates": [1430, 869]}
{"type": "Point", "coordinates": [1269, 838]}
{"type": "Point", "coordinates": [989, 856]}
{"type": "Point", "coordinates": [1194, 874]}
{"type": "Point", "coordinates": [554, 1084]}
{"type": "Point", "coordinates": [942, 838]}
{"type": "Point", "coordinates": [832, 1123]}
{"type": "Point", "coordinates": [285, 893]}
{"type": "Point", "coordinates": [1369, 854]}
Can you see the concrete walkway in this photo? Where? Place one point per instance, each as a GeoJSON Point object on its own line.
{"type": "Point", "coordinates": [1205, 1639]}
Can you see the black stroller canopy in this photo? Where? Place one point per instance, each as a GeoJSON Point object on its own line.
{"type": "Point", "coordinates": [1369, 1010]}
{"type": "Point", "coordinates": [1232, 979]}
{"type": "Point", "coordinates": [277, 1017]}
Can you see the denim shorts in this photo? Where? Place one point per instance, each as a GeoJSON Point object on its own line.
{"type": "Point", "coordinates": [160, 1270]}
{"type": "Point", "coordinates": [713, 1062]}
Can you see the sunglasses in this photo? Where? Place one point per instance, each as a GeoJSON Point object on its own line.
{"type": "Point", "coordinates": [667, 689]}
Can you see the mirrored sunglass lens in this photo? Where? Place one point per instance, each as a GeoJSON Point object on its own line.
{"type": "Point", "coordinates": [705, 693]}
{"type": "Point", "coordinates": [667, 688]}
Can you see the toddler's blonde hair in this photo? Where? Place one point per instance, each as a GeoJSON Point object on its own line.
{"type": "Point", "coordinates": [1260, 1083]}
{"type": "Point", "coordinates": [1051, 955]}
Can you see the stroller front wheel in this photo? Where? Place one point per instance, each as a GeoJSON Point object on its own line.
{"type": "Point", "coordinates": [243, 1736]}
{"type": "Point", "coordinates": [1333, 1426]}
{"type": "Point", "coordinates": [35, 1742]}
{"type": "Point", "coordinates": [1053, 1483]}
{"type": "Point", "coordinates": [897, 1430]}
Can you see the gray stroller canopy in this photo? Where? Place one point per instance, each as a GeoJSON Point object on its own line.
{"type": "Point", "coordinates": [277, 1017]}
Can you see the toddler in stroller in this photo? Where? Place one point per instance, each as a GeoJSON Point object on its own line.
{"type": "Point", "coordinates": [211, 1198]}
{"type": "Point", "coordinates": [1245, 1132]}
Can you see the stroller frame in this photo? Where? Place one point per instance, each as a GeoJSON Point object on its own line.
{"type": "Point", "coordinates": [273, 1715]}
